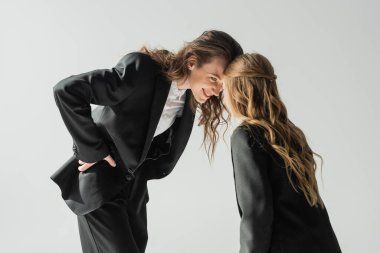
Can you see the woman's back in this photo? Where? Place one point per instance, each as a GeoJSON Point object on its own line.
{"type": "Point", "coordinates": [275, 218]}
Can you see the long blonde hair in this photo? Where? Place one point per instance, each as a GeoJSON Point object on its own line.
{"type": "Point", "coordinates": [208, 44]}
{"type": "Point", "coordinates": [253, 97]}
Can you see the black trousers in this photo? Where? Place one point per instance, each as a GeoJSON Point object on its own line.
{"type": "Point", "coordinates": [119, 225]}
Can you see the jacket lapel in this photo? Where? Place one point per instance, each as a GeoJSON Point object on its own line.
{"type": "Point", "coordinates": [161, 93]}
{"type": "Point", "coordinates": [187, 120]}
{"type": "Point", "coordinates": [184, 126]}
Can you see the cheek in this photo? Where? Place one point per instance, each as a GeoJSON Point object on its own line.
{"type": "Point", "coordinates": [225, 97]}
{"type": "Point", "coordinates": [195, 82]}
{"type": "Point", "coordinates": [226, 101]}
{"type": "Point", "coordinates": [197, 79]}
{"type": "Point", "coordinates": [196, 87]}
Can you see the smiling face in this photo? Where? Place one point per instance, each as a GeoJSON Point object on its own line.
{"type": "Point", "coordinates": [206, 80]}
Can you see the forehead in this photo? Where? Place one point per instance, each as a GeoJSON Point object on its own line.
{"type": "Point", "coordinates": [215, 66]}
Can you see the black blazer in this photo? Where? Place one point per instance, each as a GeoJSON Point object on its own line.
{"type": "Point", "coordinates": [131, 97]}
{"type": "Point", "coordinates": [274, 217]}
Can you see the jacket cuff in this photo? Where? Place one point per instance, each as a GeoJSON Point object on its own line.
{"type": "Point", "coordinates": [91, 155]}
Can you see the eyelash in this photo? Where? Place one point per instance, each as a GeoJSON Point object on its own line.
{"type": "Point", "coordinates": [213, 79]}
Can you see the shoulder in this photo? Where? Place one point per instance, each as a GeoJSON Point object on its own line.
{"type": "Point", "coordinates": [249, 136]}
{"type": "Point", "coordinates": [139, 62]}
{"type": "Point", "coordinates": [239, 136]}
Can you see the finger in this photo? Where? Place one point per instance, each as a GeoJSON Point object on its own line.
{"type": "Point", "coordinates": [110, 160]}
{"type": "Point", "coordinates": [81, 162]}
{"type": "Point", "coordinates": [85, 166]}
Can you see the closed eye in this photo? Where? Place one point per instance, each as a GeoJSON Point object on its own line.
{"type": "Point", "coordinates": [213, 79]}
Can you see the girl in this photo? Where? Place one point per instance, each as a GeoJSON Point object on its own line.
{"type": "Point", "coordinates": [147, 103]}
{"type": "Point", "coordinates": [274, 168]}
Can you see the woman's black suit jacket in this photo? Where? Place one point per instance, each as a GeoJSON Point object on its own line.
{"type": "Point", "coordinates": [274, 217]}
{"type": "Point", "coordinates": [131, 97]}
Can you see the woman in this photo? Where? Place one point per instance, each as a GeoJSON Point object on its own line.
{"type": "Point", "coordinates": [274, 168]}
{"type": "Point", "coordinates": [138, 132]}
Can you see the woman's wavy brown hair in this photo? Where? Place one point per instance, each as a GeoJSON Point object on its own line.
{"type": "Point", "coordinates": [253, 97]}
{"type": "Point", "coordinates": [207, 45]}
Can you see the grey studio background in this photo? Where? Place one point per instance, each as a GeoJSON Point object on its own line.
{"type": "Point", "coordinates": [325, 53]}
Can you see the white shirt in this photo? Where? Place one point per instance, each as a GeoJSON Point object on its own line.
{"type": "Point", "coordinates": [173, 108]}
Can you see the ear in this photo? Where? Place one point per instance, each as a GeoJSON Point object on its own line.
{"type": "Point", "coordinates": [192, 62]}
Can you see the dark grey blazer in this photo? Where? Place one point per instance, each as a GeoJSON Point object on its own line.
{"type": "Point", "coordinates": [131, 97]}
{"type": "Point", "coordinates": [274, 217]}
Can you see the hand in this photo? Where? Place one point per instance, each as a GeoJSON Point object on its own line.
{"type": "Point", "coordinates": [84, 166]}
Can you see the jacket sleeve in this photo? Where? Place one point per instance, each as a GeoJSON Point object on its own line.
{"type": "Point", "coordinates": [253, 192]}
{"type": "Point", "coordinates": [74, 94]}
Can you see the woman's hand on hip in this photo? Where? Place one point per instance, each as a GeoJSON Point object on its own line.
{"type": "Point", "coordinates": [84, 166]}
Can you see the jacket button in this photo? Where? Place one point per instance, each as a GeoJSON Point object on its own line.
{"type": "Point", "coordinates": [129, 176]}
